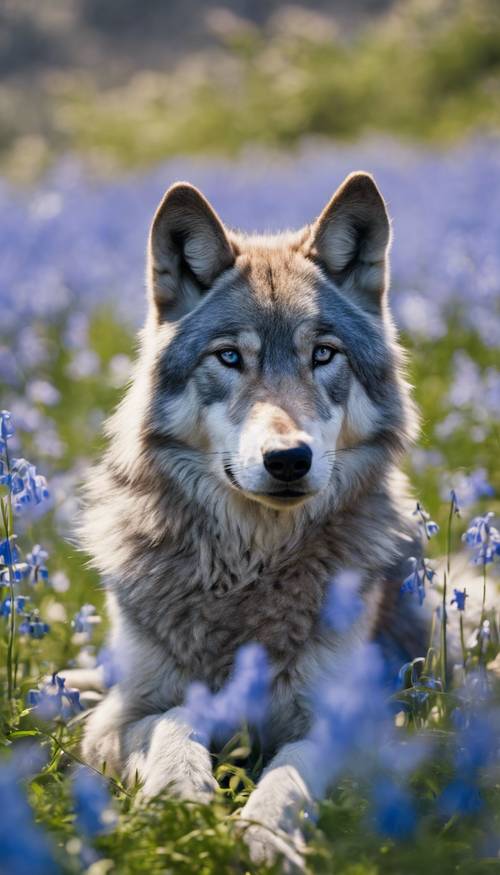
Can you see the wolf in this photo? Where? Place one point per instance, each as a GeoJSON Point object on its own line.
{"type": "Point", "coordinates": [253, 458]}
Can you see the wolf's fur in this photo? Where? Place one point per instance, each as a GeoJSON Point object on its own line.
{"type": "Point", "coordinates": [197, 555]}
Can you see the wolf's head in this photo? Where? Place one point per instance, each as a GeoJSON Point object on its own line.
{"type": "Point", "coordinates": [272, 364]}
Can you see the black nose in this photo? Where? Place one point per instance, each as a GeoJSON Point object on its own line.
{"type": "Point", "coordinates": [288, 465]}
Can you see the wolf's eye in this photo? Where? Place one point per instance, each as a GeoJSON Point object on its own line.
{"type": "Point", "coordinates": [229, 357]}
{"type": "Point", "coordinates": [322, 355]}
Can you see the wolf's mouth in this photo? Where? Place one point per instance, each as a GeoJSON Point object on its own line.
{"type": "Point", "coordinates": [280, 495]}
{"type": "Point", "coordinates": [286, 493]}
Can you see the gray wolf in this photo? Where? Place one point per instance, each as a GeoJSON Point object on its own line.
{"type": "Point", "coordinates": [253, 457]}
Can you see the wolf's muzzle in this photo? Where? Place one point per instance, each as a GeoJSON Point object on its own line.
{"type": "Point", "coordinates": [289, 464]}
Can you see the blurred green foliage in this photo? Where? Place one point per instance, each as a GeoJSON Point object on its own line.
{"type": "Point", "coordinates": [426, 70]}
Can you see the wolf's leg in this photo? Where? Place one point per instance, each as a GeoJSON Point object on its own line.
{"type": "Point", "coordinates": [161, 750]}
{"type": "Point", "coordinates": [288, 786]}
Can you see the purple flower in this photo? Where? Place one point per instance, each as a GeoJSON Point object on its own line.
{"type": "Point", "coordinates": [93, 804]}
{"type": "Point", "coordinates": [458, 599]}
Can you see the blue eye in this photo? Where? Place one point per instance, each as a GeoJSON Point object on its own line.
{"type": "Point", "coordinates": [322, 355]}
{"type": "Point", "coordinates": [229, 357]}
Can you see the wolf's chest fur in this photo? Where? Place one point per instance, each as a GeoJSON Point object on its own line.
{"type": "Point", "coordinates": [203, 593]}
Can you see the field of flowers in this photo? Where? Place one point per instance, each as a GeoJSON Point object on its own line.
{"type": "Point", "coordinates": [426, 798]}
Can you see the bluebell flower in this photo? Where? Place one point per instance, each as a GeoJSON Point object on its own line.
{"type": "Point", "coordinates": [20, 602]}
{"type": "Point", "coordinates": [394, 810]}
{"type": "Point", "coordinates": [467, 489]}
{"type": "Point", "coordinates": [6, 428]}
{"type": "Point", "coordinates": [343, 605]}
{"type": "Point", "coordinates": [477, 743]}
{"type": "Point", "coordinates": [33, 626]}
{"type": "Point", "coordinates": [243, 699]}
{"type": "Point", "coordinates": [93, 804]}
{"type": "Point", "coordinates": [85, 620]}
{"type": "Point", "coordinates": [28, 487]}
{"type": "Point", "coordinates": [107, 661]}
{"type": "Point", "coordinates": [458, 599]}
{"type": "Point", "coordinates": [428, 527]}
{"type": "Point", "coordinates": [9, 553]}
{"type": "Point", "coordinates": [36, 560]}
{"type": "Point", "coordinates": [483, 539]}
{"type": "Point", "coordinates": [24, 847]}
{"type": "Point", "coordinates": [420, 573]}
{"type": "Point", "coordinates": [55, 699]}
{"type": "Point", "coordinates": [20, 570]}
{"type": "Point", "coordinates": [352, 716]}
{"type": "Point", "coordinates": [460, 797]}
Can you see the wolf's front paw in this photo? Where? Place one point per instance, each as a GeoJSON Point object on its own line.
{"type": "Point", "coordinates": [270, 832]}
{"type": "Point", "coordinates": [266, 846]}
{"type": "Point", "coordinates": [188, 780]}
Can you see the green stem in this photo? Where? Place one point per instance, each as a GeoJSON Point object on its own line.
{"type": "Point", "coordinates": [462, 640]}
{"type": "Point", "coordinates": [444, 618]}
{"type": "Point", "coordinates": [484, 593]}
{"type": "Point", "coordinates": [12, 617]}
{"type": "Point", "coordinates": [444, 643]}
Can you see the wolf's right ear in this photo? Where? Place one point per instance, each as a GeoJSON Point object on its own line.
{"type": "Point", "coordinates": [188, 249]}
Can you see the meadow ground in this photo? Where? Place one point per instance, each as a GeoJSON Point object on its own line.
{"type": "Point", "coordinates": [71, 287]}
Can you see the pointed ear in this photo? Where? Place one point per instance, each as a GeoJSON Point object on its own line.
{"type": "Point", "coordinates": [351, 240]}
{"type": "Point", "coordinates": [188, 249]}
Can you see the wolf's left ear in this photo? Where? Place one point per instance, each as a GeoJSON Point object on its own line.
{"type": "Point", "coordinates": [188, 249]}
{"type": "Point", "coordinates": [351, 240]}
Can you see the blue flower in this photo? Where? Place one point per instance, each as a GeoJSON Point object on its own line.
{"type": "Point", "coordinates": [55, 699]}
{"type": "Point", "coordinates": [415, 582]}
{"type": "Point", "coordinates": [426, 525]}
{"type": "Point", "coordinates": [243, 699]}
{"type": "Point", "coordinates": [93, 805]}
{"type": "Point", "coordinates": [458, 599]}
{"type": "Point", "coordinates": [9, 554]}
{"type": "Point", "coordinates": [28, 487]}
{"type": "Point", "coordinates": [483, 539]}
{"type": "Point", "coordinates": [36, 560]}
{"type": "Point", "coordinates": [24, 848]}
{"type": "Point", "coordinates": [19, 602]}
{"type": "Point", "coordinates": [467, 489]}
{"type": "Point", "coordinates": [33, 626]}
{"type": "Point", "coordinates": [460, 797]}
{"type": "Point", "coordinates": [107, 661]}
{"type": "Point", "coordinates": [395, 813]}
{"type": "Point", "coordinates": [85, 620]}
{"type": "Point", "coordinates": [343, 605]}
{"type": "Point", "coordinates": [6, 428]}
